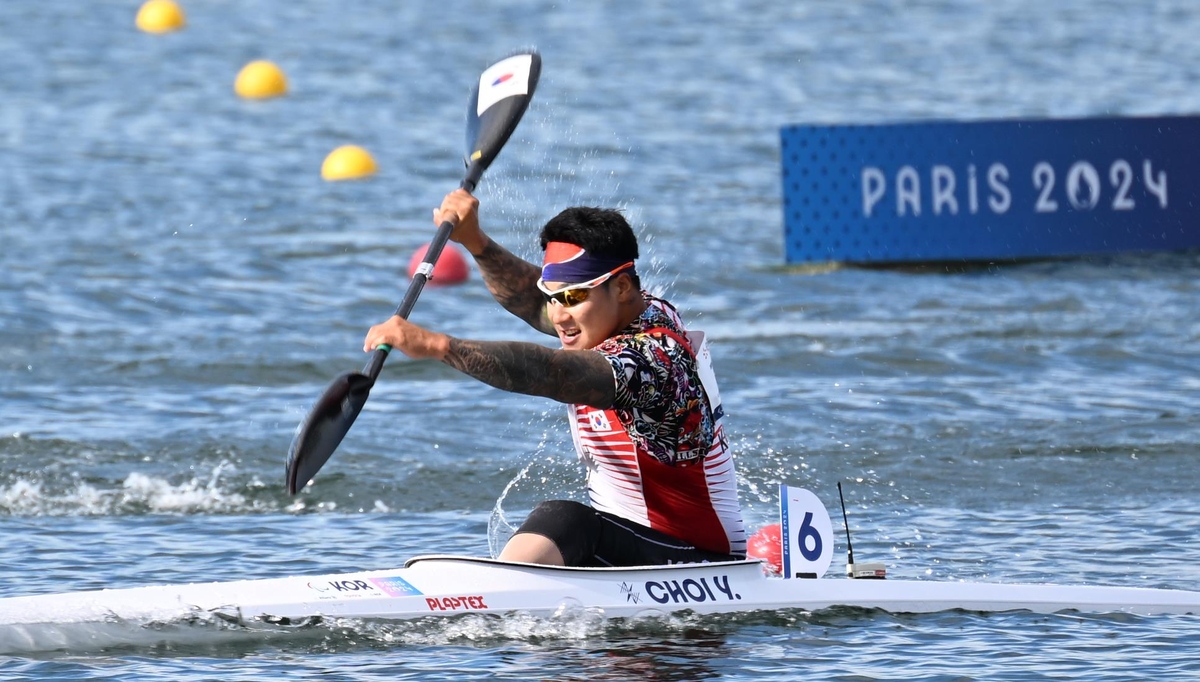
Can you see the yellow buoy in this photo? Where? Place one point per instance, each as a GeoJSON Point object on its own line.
{"type": "Point", "coordinates": [348, 162]}
{"type": "Point", "coordinates": [260, 79]}
{"type": "Point", "coordinates": [160, 16]}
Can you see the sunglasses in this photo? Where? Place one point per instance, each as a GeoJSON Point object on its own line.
{"type": "Point", "coordinates": [572, 296]}
{"type": "Point", "coordinates": [569, 297]}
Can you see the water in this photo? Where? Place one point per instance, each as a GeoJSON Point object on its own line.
{"type": "Point", "coordinates": [177, 285]}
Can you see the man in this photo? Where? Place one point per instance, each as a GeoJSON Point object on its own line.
{"type": "Point", "coordinates": [644, 409]}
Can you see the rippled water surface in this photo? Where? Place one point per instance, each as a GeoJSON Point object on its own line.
{"type": "Point", "coordinates": [177, 284]}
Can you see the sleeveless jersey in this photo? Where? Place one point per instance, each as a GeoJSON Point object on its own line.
{"type": "Point", "coordinates": [659, 457]}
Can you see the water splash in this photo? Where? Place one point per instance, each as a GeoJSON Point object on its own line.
{"type": "Point", "coordinates": [552, 472]}
{"type": "Point", "coordinates": [200, 631]}
{"type": "Point", "coordinates": [138, 493]}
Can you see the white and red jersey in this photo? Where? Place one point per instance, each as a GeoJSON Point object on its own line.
{"type": "Point", "coordinates": [659, 457]}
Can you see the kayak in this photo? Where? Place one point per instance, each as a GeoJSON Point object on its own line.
{"type": "Point", "coordinates": [441, 586]}
{"type": "Point", "coordinates": [438, 586]}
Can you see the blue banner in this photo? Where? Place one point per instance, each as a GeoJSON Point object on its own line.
{"type": "Point", "coordinates": [990, 190]}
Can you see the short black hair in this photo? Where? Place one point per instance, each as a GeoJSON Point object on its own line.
{"type": "Point", "coordinates": [601, 232]}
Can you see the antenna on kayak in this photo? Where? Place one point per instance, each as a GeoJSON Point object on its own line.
{"type": "Point", "coordinates": [857, 571]}
{"type": "Point", "coordinates": [846, 525]}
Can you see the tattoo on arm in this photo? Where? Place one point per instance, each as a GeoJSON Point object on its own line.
{"type": "Point", "coordinates": [572, 377]}
{"type": "Point", "coordinates": [513, 283]}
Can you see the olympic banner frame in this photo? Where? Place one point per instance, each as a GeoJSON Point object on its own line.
{"type": "Point", "coordinates": [954, 191]}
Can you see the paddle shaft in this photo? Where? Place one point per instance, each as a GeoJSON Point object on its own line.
{"type": "Point", "coordinates": [496, 106]}
{"type": "Point", "coordinates": [474, 172]}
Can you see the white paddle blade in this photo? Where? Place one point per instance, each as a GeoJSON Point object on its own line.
{"type": "Point", "coordinates": [506, 78]}
{"type": "Point", "coordinates": [497, 103]}
{"type": "Point", "coordinates": [807, 533]}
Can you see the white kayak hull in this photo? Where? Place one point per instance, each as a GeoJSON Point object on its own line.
{"type": "Point", "coordinates": [447, 586]}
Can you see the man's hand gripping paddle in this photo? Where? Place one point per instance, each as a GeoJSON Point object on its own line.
{"type": "Point", "coordinates": [497, 103]}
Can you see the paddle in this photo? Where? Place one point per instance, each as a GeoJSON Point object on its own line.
{"type": "Point", "coordinates": [497, 103]}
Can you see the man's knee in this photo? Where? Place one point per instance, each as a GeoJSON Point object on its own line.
{"type": "Point", "coordinates": [531, 548]}
{"type": "Point", "coordinates": [570, 526]}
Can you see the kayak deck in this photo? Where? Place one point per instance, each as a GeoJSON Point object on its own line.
{"type": "Point", "coordinates": [450, 585]}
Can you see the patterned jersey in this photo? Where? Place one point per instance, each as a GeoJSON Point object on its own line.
{"type": "Point", "coordinates": [659, 456]}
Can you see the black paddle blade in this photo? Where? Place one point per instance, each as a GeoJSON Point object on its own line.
{"type": "Point", "coordinates": [497, 103]}
{"type": "Point", "coordinates": [327, 423]}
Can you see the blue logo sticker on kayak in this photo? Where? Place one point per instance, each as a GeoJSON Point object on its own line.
{"type": "Point", "coordinates": [395, 586]}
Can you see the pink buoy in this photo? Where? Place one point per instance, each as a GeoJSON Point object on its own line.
{"type": "Point", "coordinates": [451, 267]}
{"type": "Point", "coordinates": [767, 544]}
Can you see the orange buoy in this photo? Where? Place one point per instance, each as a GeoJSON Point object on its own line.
{"type": "Point", "coordinates": [451, 267]}
{"type": "Point", "coordinates": [767, 544]}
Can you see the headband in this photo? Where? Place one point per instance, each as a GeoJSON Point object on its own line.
{"type": "Point", "coordinates": [572, 264]}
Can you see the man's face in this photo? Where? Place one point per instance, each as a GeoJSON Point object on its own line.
{"type": "Point", "coordinates": [585, 325]}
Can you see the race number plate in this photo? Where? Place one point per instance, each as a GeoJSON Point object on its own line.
{"type": "Point", "coordinates": [807, 533]}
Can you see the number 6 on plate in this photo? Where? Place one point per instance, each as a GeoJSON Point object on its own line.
{"type": "Point", "coordinates": [807, 533]}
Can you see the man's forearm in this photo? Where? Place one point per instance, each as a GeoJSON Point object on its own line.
{"type": "Point", "coordinates": [572, 377]}
{"type": "Point", "coordinates": [513, 283]}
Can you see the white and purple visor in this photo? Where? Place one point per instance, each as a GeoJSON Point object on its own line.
{"type": "Point", "coordinates": [573, 265]}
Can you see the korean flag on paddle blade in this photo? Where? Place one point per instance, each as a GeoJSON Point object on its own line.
{"type": "Point", "coordinates": [505, 78]}
{"type": "Point", "coordinates": [497, 103]}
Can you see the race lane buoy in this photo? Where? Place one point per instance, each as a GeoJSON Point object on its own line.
{"type": "Point", "coordinates": [348, 162]}
{"type": "Point", "coordinates": [260, 79]}
{"type": "Point", "coordinates": [160, 16]}
{"type": "Point", "coordinates": [767, 544]}
{"type": "Point", "coordinates": [451, 267]}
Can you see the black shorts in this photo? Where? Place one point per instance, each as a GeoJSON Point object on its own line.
{"type": "Point", "coordinates": [587, 537]}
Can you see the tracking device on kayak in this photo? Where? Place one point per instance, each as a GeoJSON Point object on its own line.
{"type": "Point", "coordinates": [873, 571]}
